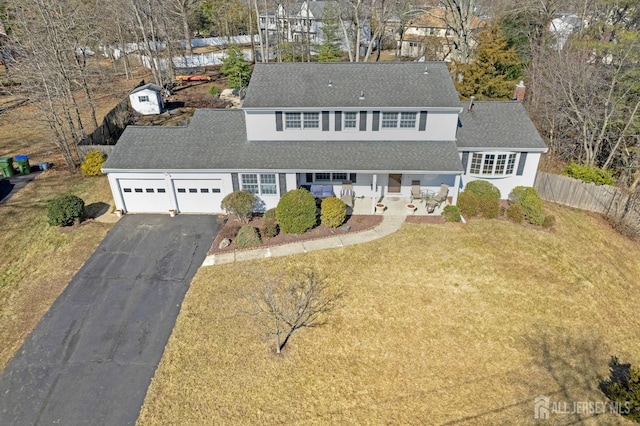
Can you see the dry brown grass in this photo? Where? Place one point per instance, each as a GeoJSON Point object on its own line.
{"type": "Point", "coordinates": [37, 260]}
{"type": "Point", "coordinates": [442, 324]}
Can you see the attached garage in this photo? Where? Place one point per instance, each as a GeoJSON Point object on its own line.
{"type": "Point", "coordinates": [145, 195]}
{"type": "Point", "coordinates": [199, 195]}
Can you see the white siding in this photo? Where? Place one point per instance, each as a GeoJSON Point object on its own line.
{"type": "Point", "coordinates": [153, 106]}
{"type": "Point", "coordinates": [506, 184]}
{"type": "Point", "coordinates": [440, 126]}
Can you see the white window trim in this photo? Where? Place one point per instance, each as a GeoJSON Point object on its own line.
{"type": "Point", "coordinates": [332, 177]}
{"type": "Point", "coordinates": [143, 98]}
{"type": "Point", "coordinates": [398, 120]}
{"type": "Point", "coordinates": [344, 121]}
{"type": "Point", "coordinates": [304, 118]}
{"type": "Point", "coordinates": [482, 157]}
{"type": "Point", "coordinates": [260, 183]}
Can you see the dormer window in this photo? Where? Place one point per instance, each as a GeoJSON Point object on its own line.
{"type": "Point", "coordinates": [404, 120]}
{"type": "Point", "coordinates": [350, 120]}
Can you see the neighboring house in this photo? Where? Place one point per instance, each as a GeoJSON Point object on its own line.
{"type": "Point", "coordinates": [147, 99]}
{"type": "Point", "coordinates": [293, 25]}
{"type": "Point", "coordinates": [428, 35]}
{"type": "Point", "coordinates": [562, 27]}
{"type": "Point", "coordinates": [379, 126]}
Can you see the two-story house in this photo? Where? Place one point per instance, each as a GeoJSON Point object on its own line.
{"type": "Point", "coordinates": [379, 126]}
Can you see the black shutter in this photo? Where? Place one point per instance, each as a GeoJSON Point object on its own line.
{"type": "Point", "coordinates": [338, 121]}
{"type": "Point", "coordinates": [352, 177]}
{"type": "Point", "coordinates": [465, 160]}
{"type": "Point", "coordinates": [423, 121]}
{"type": "Point", "coordinates": [325, 121]}
{"type": "Point", "coordinates": [523, 160]}
{"type": "Point", "coordinates": [282, 179]}
{"type": "Point", "coordinates": [309, 177]}
{"type": "Point", "coordinates": [278, 121]}
{"type": "Point", "coordinates": [234, 182]}
{"type": "Point", "coordinates": [363, 121]}
{"type": "Point", "coordinates": [376, 121]}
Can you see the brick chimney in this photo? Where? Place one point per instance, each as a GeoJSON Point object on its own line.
{"type": "Point", "coordinates": [518, 93]}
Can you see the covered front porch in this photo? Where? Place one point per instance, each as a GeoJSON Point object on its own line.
{"type": "Point", "coordinates": [363, 191]}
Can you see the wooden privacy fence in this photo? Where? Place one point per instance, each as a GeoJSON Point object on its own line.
{"type": "Point", "coordinates": [587, 196]}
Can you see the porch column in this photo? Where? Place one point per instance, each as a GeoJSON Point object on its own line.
{"type": "Point", "coordinates": [374, 189]}
{"type": "Point", "coordinates": [456, 186]}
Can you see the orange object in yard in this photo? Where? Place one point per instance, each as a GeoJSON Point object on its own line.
{"type": "Point", "coordinates": [193, 78]}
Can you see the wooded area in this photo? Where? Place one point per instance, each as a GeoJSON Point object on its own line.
{"type": "Point", "coordinates": [578, 59]}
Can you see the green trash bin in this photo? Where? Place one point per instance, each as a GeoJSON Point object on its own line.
{"type": "Point", "coordinates": [23, 164]}
{"type": "Point", "coordinates": [6, 165]}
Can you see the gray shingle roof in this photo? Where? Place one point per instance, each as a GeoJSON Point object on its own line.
{"type": "Point", "coordinates": [385, 84]}
{"type": "Point", "coordinates": [493, 124]}
{"type": "Point", "coordinates": [146, 86]}
{"type": "Point", "coordinates": [216, 140]}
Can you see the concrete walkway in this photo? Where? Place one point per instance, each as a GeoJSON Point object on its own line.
{"type": "Point", "coordinates": [389, 225]}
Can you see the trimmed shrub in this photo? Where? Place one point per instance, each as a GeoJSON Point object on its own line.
{"type": "Point", "coordinates": [590, 174]}
{"type": "Point", "coordinates": [269, 229]}
{"type": "Point", "coordinates": [515, 213]}
{"type": "Point", "coordinates": [469, 203]}
{"type": "Point", "coordinates": [531, 203]}
{"type": "Point", "coordinates": [296, 211]}
{"type": "Point", "coordinates": [64, 210]}
{"type": "Point", "coordinates": [240, 203]}
{"type": "Point", "coordinates": [270, 214]}
{"type": "Point", "coordinates": [483, 189]}
{"type": "Point", "coordinates": [248, 236]}
{"type": "Point", "coordinates": [92, 164]}
{"type": "Point", "coordinates": [229, 231]}
{"type": "Point", "coordinates": [333, 212]}
{"type": "Point", "coordinates": [549, 221]}
{"type": "Point", "coordinates": [451, 213]}
{"type": "Point", "coordinates": [489, 207]}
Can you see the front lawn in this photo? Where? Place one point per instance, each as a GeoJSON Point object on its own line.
{"type": "Point", "coordinates": [441, 324]}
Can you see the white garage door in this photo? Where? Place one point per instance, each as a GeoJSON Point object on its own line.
{"type": "Point", "coordinates": [145, 195]}
{"type": "Point", "coordinates": [199, 195]}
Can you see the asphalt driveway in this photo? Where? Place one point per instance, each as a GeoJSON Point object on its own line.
{"type": "Point", "coordinates": [92, 356]}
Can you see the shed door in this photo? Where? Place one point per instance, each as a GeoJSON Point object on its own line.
{"type": "Point", "coordinates": [145, 195]}
{"type": "Point", "coordinates": [199, 195]}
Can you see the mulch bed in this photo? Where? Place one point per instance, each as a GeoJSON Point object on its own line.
{"type": "Point", "coordinates": [356, 223]}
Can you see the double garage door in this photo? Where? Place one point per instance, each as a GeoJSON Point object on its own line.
{"type": "Point", "coordinates": [158, 196]}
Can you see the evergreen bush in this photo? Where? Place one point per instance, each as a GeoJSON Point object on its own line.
{"type": "Point", "coordinates": [483, 189]}
{"type": "Point", "coordinates": [590, 174]}
{"type": "Point", "coordinates": [549, 221]}
{"type": "Point", "coordinates": [269, 229]}
{"type": "Point", "coordinates": [270, 214]}
{"type": "Point", "coordinates": [248, 236]}
{"type": "Point", "coordinates": [469, 203]}
{"type": "Point", "coordinates": [451, 213]}
{"type": "Point", "coordinates": [64, 210]}
{"type": "Point", "coordinates": [296, 212]}
{"type": "Point", "coordinates": [333, 212]}
{"type": "Point", "coordinates": [92, 164]}
{"type": "Point", "coordinates": [240, 203]}
{"type": "Point", "coordinates": [531, 203]}
{"type": "Point", "coordinates": [515, 213]}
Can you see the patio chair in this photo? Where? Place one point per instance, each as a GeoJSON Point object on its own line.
{"type": "Point", "coordinates": [346, 193]}
{"type": "Point", "coordinates": [415, 191]}
{"type": "Point", "coordinates": [435, 201]}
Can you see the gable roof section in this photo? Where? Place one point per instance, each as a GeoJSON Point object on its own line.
{"type": "Point", "coordinates": [385, 85]}
{"type": "Point", "coordinates": [498, 125]}
{"type": "Point", "coordinates": [216, 140]}
{"type": "Point", "coordinates": [149, 86]}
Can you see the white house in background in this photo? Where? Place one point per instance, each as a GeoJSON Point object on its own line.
{"type": "Point", "coordinates": [377, 127]}
{"type": "Point", "coordinates": [147, 99]}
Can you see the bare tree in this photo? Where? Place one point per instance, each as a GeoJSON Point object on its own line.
{"type": "Point", "coordinates": [284, 304]}
{"type": "Point", "coordinates": [459, 21]}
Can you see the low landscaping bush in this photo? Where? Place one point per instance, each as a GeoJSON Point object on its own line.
{"type": "Point", "coordinates": [590, 174]}
{"type": "Point", "coordinates": [269, 229]}
{"type": "Point", "coordinates": [528, 198]}
{"type": "Point", "coordinates": [229, 231]}
{"type": "Point", "coordinates": [248, 236]}
{"type": "Point", "coordinates": [213, 90]}
{"type": "Point", "coordinates": [270, 214]}
{"type": "Point", "coordinates": [92, 164]}
{"type": "Point", "coordinates": [515, 213]}
{"type": "Point", "coordinates": [451, 213]}
{"type": "Point", "coordinates": [296, 211]}
{"type": "Point", "coordinates": [64, 210]}
{"type": "Point", "coordinates": [240, 203]}
{"type": "Point", "coordinates": [483, 189]}
{"type": "Point", "coordinates": [480, 198]}
{"type": "Point", "coordinates": [333, 212]}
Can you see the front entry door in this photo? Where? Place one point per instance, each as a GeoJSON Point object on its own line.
{"type": "Point", "coordinates": [395, 183]}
